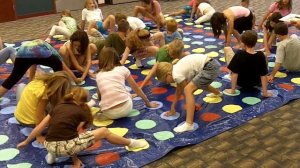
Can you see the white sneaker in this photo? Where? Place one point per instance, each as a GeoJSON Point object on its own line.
{"type": "Point", "coordinates": [50, 158]}
{"type": "Point", "coordinates": [212, 95]}
{"type": "Point", "coordinates": [184, 127]}
{"type": "Point", "coordinates": [137, 144]}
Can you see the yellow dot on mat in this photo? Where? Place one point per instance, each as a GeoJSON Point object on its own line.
{"type": "Point", "coordinates": [145, 72]}
{"type": "Point", "coordinates": [198, 50]}
{"type": "Point", "coordinates": [212, 54]}
{"type": "Point", "coordinates": [231, 108]}
{"type": "Point", "coordinates": [188, 23]}
{"type": "Point", "coordinates": [187, 46]}
{"type": "Point", "coordinates": [138, 149]}
{"type": "Point", "coordinates": [9, 61]}
{"type": "Point", "coordinates": [173, 84]}
{"type": "Point", "coordinates": [94, 110]}
{"type": "Point", "coordinates": [127, 62]}
{"type": "Point", "coordinates": [296, 81]}
{"type": "Point", "coordinates": [280, 74]}
{"type": "Point", "coordinates": [212, 99]}
{"type": "Point", "coordinates": [198, 26]}
{"type": "Point", "coordinates": [260, 40]}
{"type": "Point", "coordinates": [198, 91]}
{"type": "Point", "coordinates": [102, 123]}
{"type": "Point", "coordinates": [133, 66]}
{"type": "Point", "coordinates": [119, 131]}
{"type": "Point", "coordinates": [178, 20]}
{"type": "Point", "coordinates": [222, 59]}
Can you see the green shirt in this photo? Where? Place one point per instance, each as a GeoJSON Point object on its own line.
{"type": "Point", "coordinates": [116, 42]}
{"type": "Point", "coordinates": [163, 56]}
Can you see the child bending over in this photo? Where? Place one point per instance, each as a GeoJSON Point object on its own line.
{"type": "Point", "coordinates": [134, 22]}
{"type": "Point", "coordinates": [150, 9]}
{"type": "Point", "coordinates": [248, 67]}
{"type": "Point", "coordinates": [66, 26]}
{"type": "Point", "coordinates": [205, 12]}
{"type": "Point", "coordinates": [192, 72]}
{"type": "Point", "coordinates": [115, 101]}
{"type": "Point", "coordinates": [64, 122]}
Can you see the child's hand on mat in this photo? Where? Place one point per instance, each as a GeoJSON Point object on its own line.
{"type": "Point", "coordinates": [170, 113]}
{"type": "Point", "coordinates": [267, 94]}
{"type": "Point", "coordinates": [40, 139]}
{"type": "Point", "coordinates": [152, 104]}
{"type": "Point", "coordinates": [22, 144]}
{"type": "Point", "coordinates": [134, 95]}
{"type": "Point", "coordinates": [78, 80]}
{"type": "Point", "coordinates": [270, 78]}
{"type": "Point", "coordinates": [230, 91]}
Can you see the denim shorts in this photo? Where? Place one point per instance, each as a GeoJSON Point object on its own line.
{"type": "Point", "coordinates": [209, 73]}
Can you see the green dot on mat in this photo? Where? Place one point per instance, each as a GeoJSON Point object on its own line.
{"type": "Point", "coordinates": [151, 62]}
{"type": "Point", "coordinates": [133, 113]}
{"type": "Point", "coordinates": [8, 154]}
{"type": "Point", "coordinates": [216, 84]}
{"type": "Point", "coordinates": [145, 124]}
{"type": "Point", "coordinates": [211, 46]}
{"type": "Point", "coordinates": [163, 135]}
{"type": "Point", "coordinates": [271, 64]}
{"type": "Point", "coordinates": [3, 139]}
{"type": "Point", "coordinates": [20, 165]}
{"type": "Point", "coordinates": [251, 100]}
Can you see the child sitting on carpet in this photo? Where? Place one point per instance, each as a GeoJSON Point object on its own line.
{"type": "Point", "coordinates": [139, 44]}
{"type": "Point", "coordinates": [288, 50]}
{"type": "Point", "coordinates": [134, 22]}
{"type": "Point", "coordinates": [269, 34]}
{"type": "Point", "coordinates": [65, 121]}
{"type": "Point", "coordinates": [66, 26]}
{"type": "Point", "coordinates": [205, 12]}
{"type": "Point", "coordinates": [150, 9]}
{"type": "Point", "coordinates": [283, 6]}
{"type": "Point", "coordinates": [192, 72]}
{"type": "Point", "coordinates": [233, 21]}
{"type": "Point", "coordinates": [93, 15]}
{"type": "Point", "coordinates": [168, 36]}
{"type": "Point", "coordinates": [167, 53]}
{"type": "Point", "coordinates": [77, 54]}
{"type": "Point", "coordinates": [248, 67]}
{"type": "Point", "coordinates": [115, 101]}
{"type": "Point", "coordinates": [30, 54]}
{"type": "Point", "coordinates": [6, 53]}
{"type": "Point", "coordinates": [190, 9]}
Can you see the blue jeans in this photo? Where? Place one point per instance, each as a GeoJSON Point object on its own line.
{"type": "Point", "coordinates": [6, 53]}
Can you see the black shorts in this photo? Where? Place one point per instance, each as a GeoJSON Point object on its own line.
{"type": "Point", "coordinates": [244, 23]}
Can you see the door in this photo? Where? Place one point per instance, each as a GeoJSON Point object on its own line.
{"type": "Point", "coordinates": [7, 11]}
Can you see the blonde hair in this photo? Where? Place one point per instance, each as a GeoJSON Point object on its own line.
{"type": "Point", "coordinates": [108, 59]}
{"type": "Point", "coordinates": [87, 1]}
{"type": "Point", "coordinates": [136, 37]}
{"type": "Point", "coordinates": [57, 85]}
{"type": "Point", "coordinates": [175, 48]}
{"type": "Point", "coordinates": [66, 12]}
{"type": "Point", "coordinates": [172, 25]}
{"type": "Point", "coordinates": [163, 68]}
{"type": "Point", "coordinates": [80, 96]}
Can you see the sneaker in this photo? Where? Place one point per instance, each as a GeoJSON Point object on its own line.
{"type": "Point", "coordinates": [134, 143]}
{"type": "Point", "coordinates": [184, 127]}
{"type": "Point", "coordinates": [138, 63]}
{"type": "Point", "coordinates": [50, 158]}
{"type": "Point", "coordinates": [212, 95]}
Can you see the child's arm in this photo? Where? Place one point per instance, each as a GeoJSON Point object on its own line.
{"type": "Point", "coordinates": [233, 77]}
{"type": "Point", "coordinates": [88, 64]}
{"type": "Point", "coordinates": [125, 55]}
{"type": "Point", "coordinates": [80, 126]}
{"type": "Point", "coordinates": [73, 60]}
{"type": "Point", "coordinates": [150, 75]}
{"type": "Point", "coordinates": [230, 21]}
{"type": "Point", "coordinates": [178, 93]}
{"type": "Point", "coordinates": [1, 44]}
{"type": "Point", "coordinates": [264, 19]}
{"type": "Point", "coordinates": [194, 9]}
{"type": "Point", "coordinates": [36, 131]}
{"type": "Point", "coordinates": [264, 84]}
{"type": "Point", "coordinates": [139, 92]}
{"type": "Point", "coordinates": [70, 73]}
{"type": "Point", "coordinates": [40, 111]}
{"type": "Point", "coordinates": [274, 71]}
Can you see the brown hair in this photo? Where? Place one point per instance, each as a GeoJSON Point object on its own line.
{"type": "Point", "coordinates": [80, 96]}
{"type": "Point", "coordinates": [281, 29]}
{"type": "Point", "coordinates": [249, 38]}
{"type": "Point", "coordinates": [134, 39]}
{"type": "Point", "coordinates": [66, 12]}
{"type": "Point", "coordinates": [281, 5]}
{"type": "Point", "coordinates": [163, 68]}
{"type": "Point", "coordinates": [172, 25]}
{"type": "Point", "coordinates": [81, 37]}
{"type": "Point", "coordinates": [123, 26]}
{"type": "Point", "coordinates": [175, 48]}
{"type": "Point", "coordinates": [57, 85]}
{"type": "Point", "coordinates": [120, 16]}
{"type": "Point", "coordinates": [108, 59]}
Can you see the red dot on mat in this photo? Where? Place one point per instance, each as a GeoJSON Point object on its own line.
{"type": "Point", "coordinates": [3, 69]}
{"type": "Point", "coordinates": [147, 19]}
{"type": "Point", "coordinates": [209, 117]}
{"type": "Point", "coordinates": [224, 69]}
{"type": "Point", "coordinates": [209, 34]}
{"type": "Point", "coordinates": [57, 46]}
{"type": "Point", "coordinates": [96, 145]}
{"type": "Point", "coordinates": [4, 76]}
{"type": "Point", "coordinates": [222, 37]}
{"type": "Point", "coordinates": [286, 86]}
{"type": "Point", "coordinates": [187, 28]}
{"type": "Point", "coordinates": [107, 158]}
{"type": "Point", "coordinates": [140, 83]}
{"type": "Point", "coordinates": [159, 90]}
{"type": "Point", "coordinates": [134, 77]}
{"type": "Point", "coordinates": [198, 31]}
{"type": "Point", "coordinates": [171, 98]}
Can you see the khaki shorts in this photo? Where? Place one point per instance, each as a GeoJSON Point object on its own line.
{"type": "Point", "coordinates": [71, 147]}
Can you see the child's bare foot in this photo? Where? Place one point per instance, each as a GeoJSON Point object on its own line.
{"type": "Point", "coordinates": [170, 113]}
